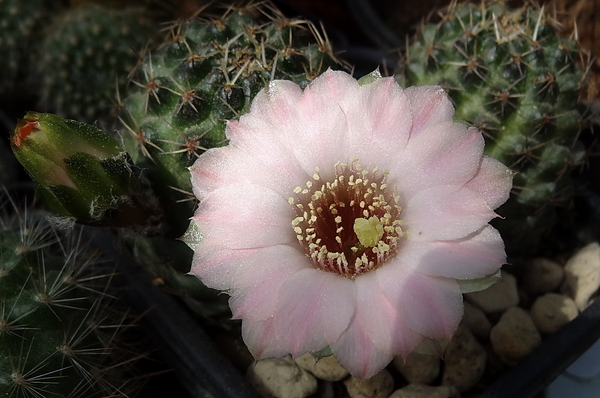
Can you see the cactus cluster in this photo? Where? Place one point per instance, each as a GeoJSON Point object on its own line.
{"type": "Point", "coordinates": [60, 332]}
{"type": "Point", "coordinates": [86, 56]}
{"type": "Point", "coordinates": [510, 73]}
{"type": "Point", "coordinates": [208, 70]}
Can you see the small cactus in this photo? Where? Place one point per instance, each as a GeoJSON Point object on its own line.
{"type": "Point", "coordinates": [20, 24]}
{"type": "Point", "coordinates": [207, 71]}
{"type": "Point", "coordinates": [86, 56]}
{"type": "Point", "coordinates": [60, 332]}
{"type": "Point", "coordinates": [511, 74]}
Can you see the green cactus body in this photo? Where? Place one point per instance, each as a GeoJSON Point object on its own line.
{"type": "Point", "coordinates": [20, 23]}
{"type": "Point", "coordinates": [207, 71]}
{"type": "Point", "coordinates": [58, 333]}
{"type": "Point", "coordinates": [510, 73]}
{"type": "Point", "coordinates": [86, 56]}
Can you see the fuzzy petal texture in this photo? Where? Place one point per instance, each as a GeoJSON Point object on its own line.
{"type": "Point", "coordinates": [314, 308]}
{"type": "Point", "coordinates": [259, 209]}
{"type": "Point", "coordinates": [276, 224]}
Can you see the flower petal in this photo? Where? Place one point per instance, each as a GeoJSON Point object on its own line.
{"type": "Point", "coordinates": [381, 320]}
{"type": "Point", "coordinates": [446, 154]}
{"type": "Point", "coordinates": [261, 339]}
{"type": "Point", "coordinates": [445, 213]}
{"type": "Point", "coordinates": [329, 129]}
{"type": "Point", "coordinates": [493, 181]}
{"type": "Point", "coordinates": [338, 86]}
{"type": "Point", "coordinates": [244, 216]}
{"type": "Point", "coordinates": [476, 256]}
{"type": "Point", "coordinates": [216, 266]}
{"type": "Point", "coordinates": [218, 167]}
{"type": "Point", "coordinates": [431, 306]}
{"type": "Point", "coordinates": [429, 105]}
{"type": "Point", "coordinates": [314, 307]}
{"type": "Point", "coordinates": [381, 122]}
{"type": "Point", "coordinates": [256, 283]}
{"type": "Point", "coordinates": [356, 351]}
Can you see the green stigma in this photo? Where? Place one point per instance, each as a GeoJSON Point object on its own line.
{"type": "Point", "coordinates": [369, 231]}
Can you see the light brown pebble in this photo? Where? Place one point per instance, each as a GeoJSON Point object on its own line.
{"type": "Point", "coordinates": [419, 368]}
{"type": "Point", "coordinates": [326, 368]}
{"type": "Point", "coordinates": [379, 386]}
{"type": "Point", "coordinates": [424, 391]}
{"type": "Point", "coordinates": [552, 311]}
{"type": "Point", "coordinates": [542, 275]}
{"type": "Point", "coordinates": [582, 275]}
{"type": "Point", "coordinates": [281, 378]}
{"type": "Point", "coordinates": [498, 297]}
{"type": "Point", "coordinates": [464, 360]}
{"type": "Point", "coordinates": [477, 321]}
{"type": "Point", "coordinates": [514, 336]}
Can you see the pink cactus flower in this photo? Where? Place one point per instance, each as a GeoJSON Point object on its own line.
{"type": "Point", "coordinates": [347, 215]}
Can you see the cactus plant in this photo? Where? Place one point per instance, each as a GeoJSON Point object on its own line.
{"type": "Point", "coordinates": [510, 73]}
{"type": "Point", "coordinates": [86, 56]}
{"type": "Point", "coordinates": [20, 24]}
{"type": "Point", "coordinates": [208, 70]}
{"type": "Point", "coordinates": [60, 334]}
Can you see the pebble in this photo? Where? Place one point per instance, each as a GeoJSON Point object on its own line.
{"type": "Point", "coordinates": [514, 336]}
{"type": "Point", "coordinates": [419, 368]}
{"type": "Point", "coordinates": [281, 378]}
{"type": "Point", "coordinates": [464, 360]}
{"type": "Point", "coordinates": [552, 311]}
{"type": "Point", "coordinates": [476, 321]}
{"type": "Point", "coordinates": [542, 276]}
{"type": "Point", "coordinates": [379, 386]}
{"type": "Point", "coordinates": [424, 391]}
{"type": "Point", "coordinates": [326, 368]}
{"type": "Point", "coordinates": [498, 297]}
{"type": "Point", "coordinates": [582, 275]}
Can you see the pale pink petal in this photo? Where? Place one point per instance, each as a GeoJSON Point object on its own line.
{"type": "Point", "coordinates": [218, 167]}
{"type": "Point", "coordinates": [244, 216]}
{"type": "Point", "coordinates": [216, 266]}
{"type": "Point", "coordinates": [381, 320]}
{"type": "Point", "coordinates": [339, 86]}
{"type": "Point", "coordinates": [380, 121]}
{"type": "Point", "coordinates": [314, 308]}
{"type": "Point", "coordinates": [429, 105]}
{"type": "Point", "coordinates": [445, 213]}
{"type": "Point", "coordinates": [476, 256]}
{"type": "Point", "coordinates": [452, 158]}
{"type": "Point", "coordinates": [356, 351]}
{"type": "Point", "coordinates": [274, 105]}
{"type": "Point", "coordinates": [261, 339]}
{"type": "Point", "coordinates": [255, 285]}
{"type": "Point", "coordinates": [223, 269]}
{"type": "Point", "coordinates": [431, 306]}
{"type": "Point", "coordinates": [329, 129]}
{"type": "Point", "coordinates": [493, 181]}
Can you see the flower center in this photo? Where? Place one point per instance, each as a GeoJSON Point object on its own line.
{"type": "Point", "coordinates": [350, 225]}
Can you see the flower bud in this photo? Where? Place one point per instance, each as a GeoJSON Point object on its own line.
{"type": "Point", "coordinates": [81, 171]}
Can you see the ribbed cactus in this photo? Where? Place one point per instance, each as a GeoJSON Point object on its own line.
{"type": "Point", "coordinates": [86, 56]}
{"type": "Point", "coordinates": [60, 332]}
{"type": "Point", "coordinates": [207, 71]}
{"type": "Point", "coordinates": [510, 73]}
{"type": "Point", "coordinates": [21, 29]}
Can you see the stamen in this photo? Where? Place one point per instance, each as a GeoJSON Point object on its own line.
{"type": "Point", "coordinates": [351, 224]}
